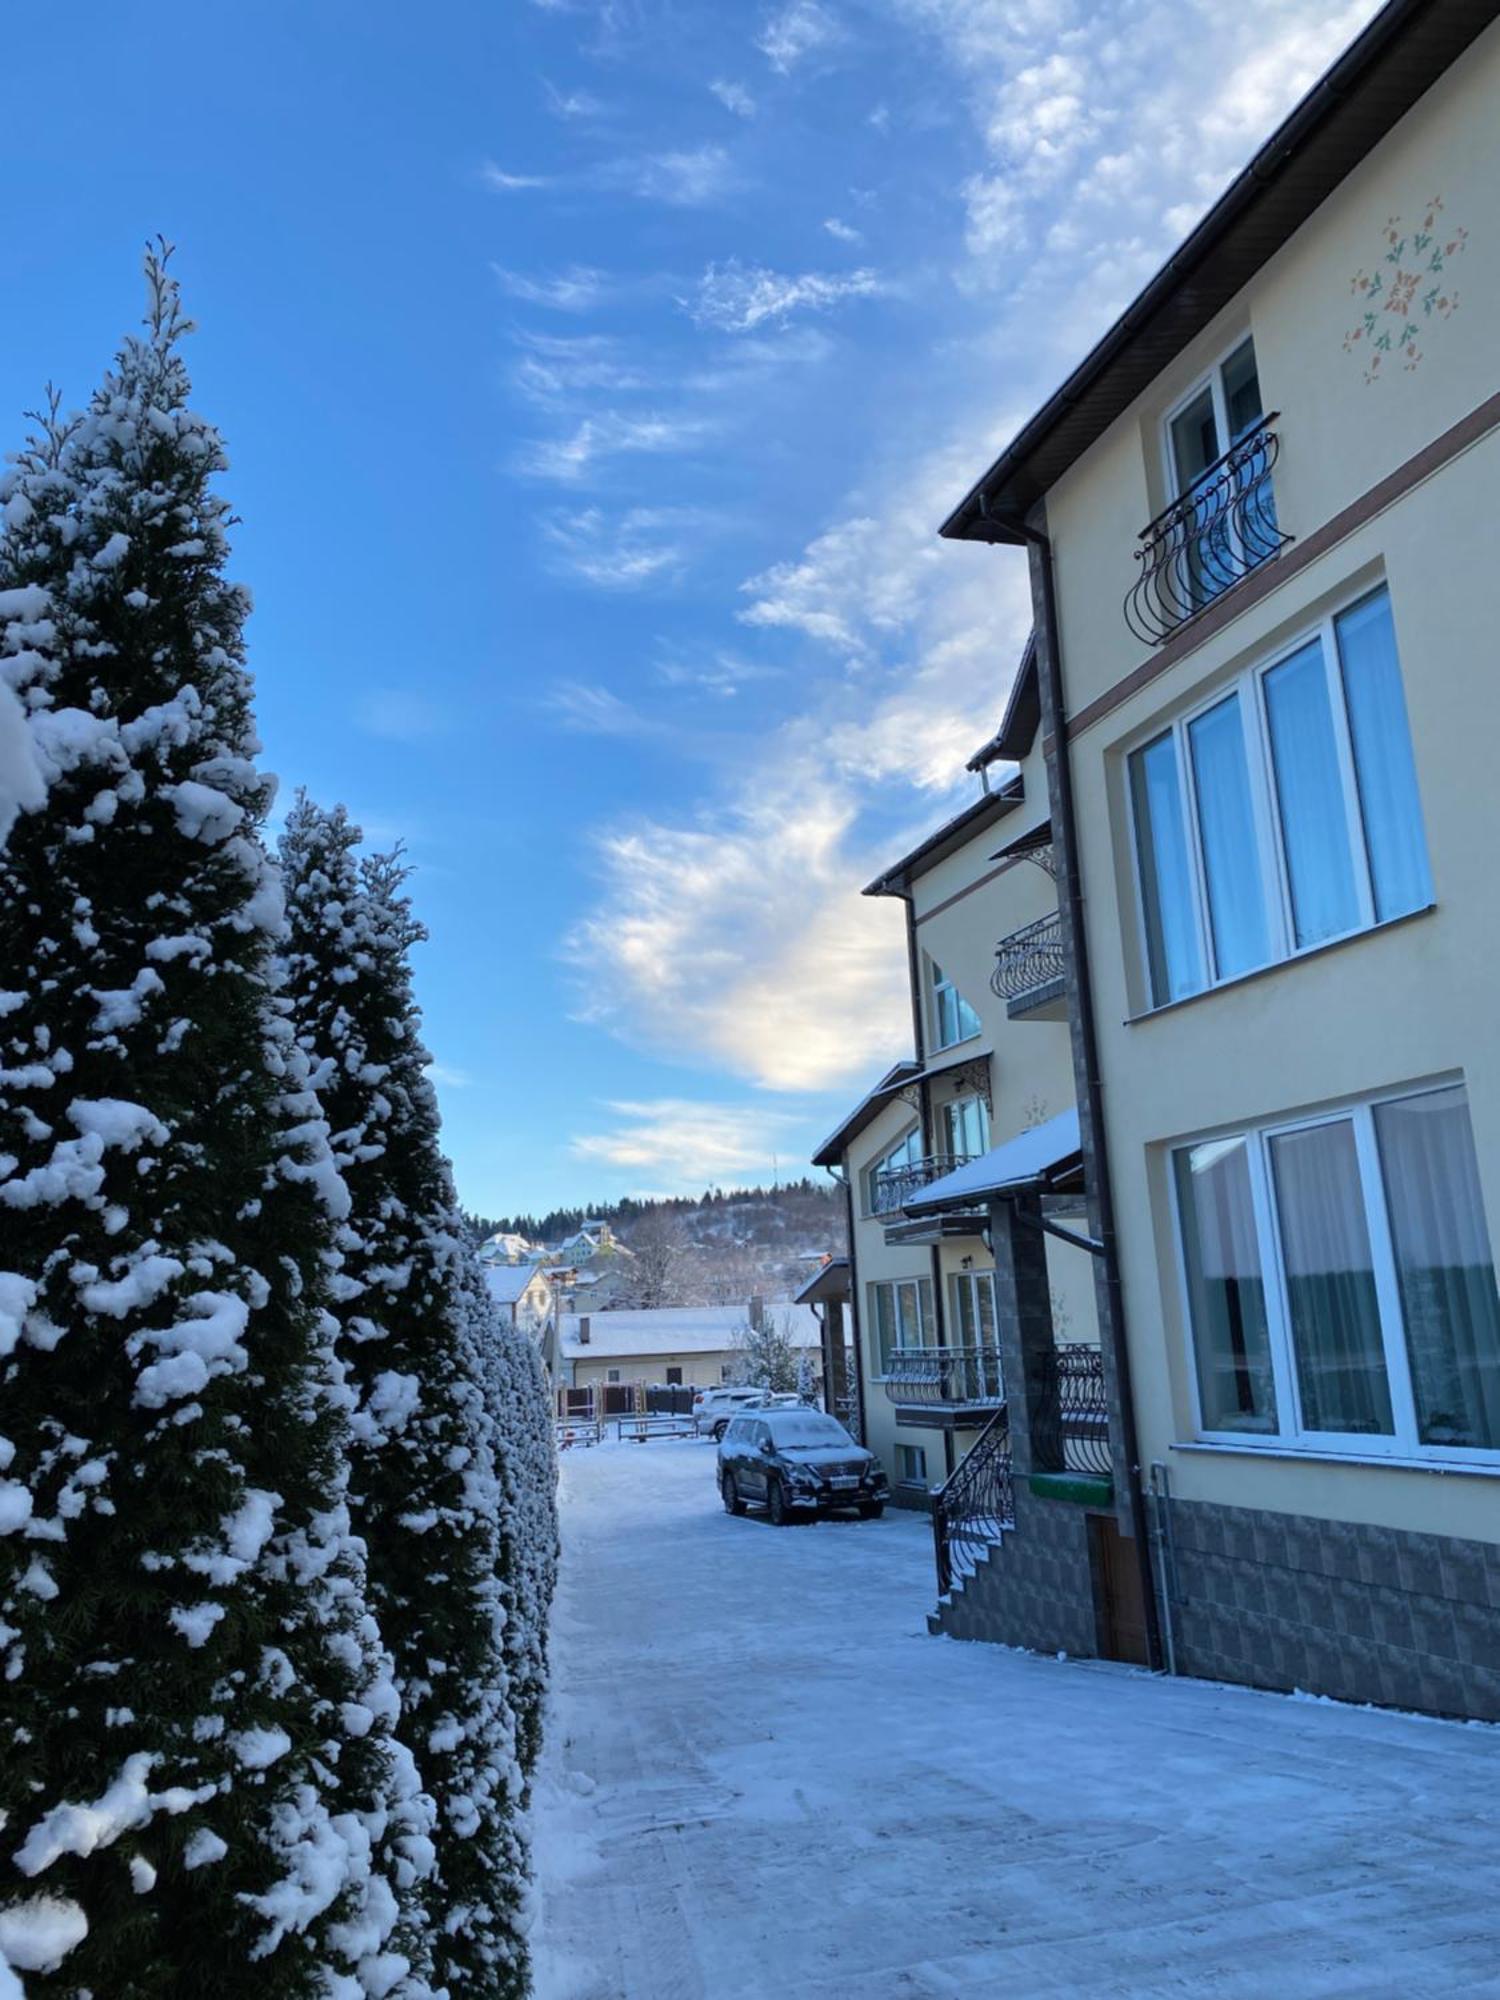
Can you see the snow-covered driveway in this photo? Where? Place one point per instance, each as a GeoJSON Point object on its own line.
{"type": "Point", "coordinates": [764, 1779]}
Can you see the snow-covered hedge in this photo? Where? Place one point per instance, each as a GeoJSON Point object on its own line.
{"type": "Point", "coordinates": [269, 1681]}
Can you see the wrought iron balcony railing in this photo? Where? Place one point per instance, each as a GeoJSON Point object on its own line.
{"type": "Point", "coordinates": [1029, 959]}
{"type": "Point", "coordinates": [973, 1509]}
{"type": "Point", "coordinates": [1071, 1432]}
{"type": "Point", "coordinates": [890, 1190]}
{"type": "Point", "coordinates": [944, 1375]}
{"type": "Point", "coordinates": [1209, 539]}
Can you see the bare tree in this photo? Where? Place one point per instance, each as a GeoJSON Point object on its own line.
{"type": "Point", "coordinates": [659, 1244]}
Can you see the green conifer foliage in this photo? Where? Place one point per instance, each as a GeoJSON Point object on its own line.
{"type": "Point", "coordinates": [432, 1494]}
{"type": "Point", "coordinates": [196, 1761]}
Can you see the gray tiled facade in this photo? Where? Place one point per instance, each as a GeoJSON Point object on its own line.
{"type": "Point", "coordinates": [1337, 1608]}
{"type": "Point", "coordinates": [1035, 1590]}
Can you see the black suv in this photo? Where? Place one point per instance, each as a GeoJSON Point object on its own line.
{"type": "Point", "coordinates": [798, 1462]}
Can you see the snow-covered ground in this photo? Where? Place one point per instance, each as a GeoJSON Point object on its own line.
{"type": "Point", "coordinates": [765, 1779]}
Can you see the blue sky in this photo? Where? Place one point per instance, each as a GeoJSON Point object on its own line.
{"type": "Point", "coordinates": [595, 374]}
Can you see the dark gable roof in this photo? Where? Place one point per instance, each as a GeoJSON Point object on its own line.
{"type": "Point", "coordinates": [1379, 77]}
{"type": "Point", "coordinates": [895, 1079]}
{"type": "Point", "coordinates": [1022, 717]}
{"type": "Point", "coordinates": [949, 837]}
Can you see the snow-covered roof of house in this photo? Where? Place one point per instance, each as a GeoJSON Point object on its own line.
{"type": "Point", "coordinates": [678, 1329]}
{"type": "Point", "coordinates": [508, 1281]}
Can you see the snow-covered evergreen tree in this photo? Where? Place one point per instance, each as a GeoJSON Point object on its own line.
{"type": "Point", "coordinates": [516, 1384]}
{"type": "Point", "coordinates": [433, 1492]}
{"type": "Point", "coordinates": [196, 1763]}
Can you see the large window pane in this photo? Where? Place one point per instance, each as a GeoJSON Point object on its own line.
{"type": "Point", "coordinates": [1330, 1281]}
{"type": "Point", "coordinates": [1226, 1288]}
{"type": "Point", "coordinates": [1231, 859]}
{"type": "Point", "coordinates": [1310, 791]}
{"type": "Point", "coordinates": [1383, 759]}
{"type": "Point", "coordinates": [1173, 955]}
{"type": "Point", "coordinates": [1242, 392]}
{"type": "Point", "coordinates": [1447, 1275]}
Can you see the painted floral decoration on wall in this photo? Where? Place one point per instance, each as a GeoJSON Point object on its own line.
{"type": "Point", "coordinates": [1407, 288]}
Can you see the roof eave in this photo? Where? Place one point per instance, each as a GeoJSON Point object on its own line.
{"type": "Point", "coordinates": [1011, 486]}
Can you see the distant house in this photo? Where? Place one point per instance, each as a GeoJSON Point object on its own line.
{"type": "Point", "coordinates": [524, 1294]}
{"type": "Point", "coordinates": [693, 1345]}
{"type": "Point", "coordinates": [505, 1247]}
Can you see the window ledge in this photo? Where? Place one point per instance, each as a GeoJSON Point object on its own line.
{"type": "Point", "coordinates": [1481, 1468]}
{"type": "Point", "coordinates": [1278, 965]}
{"type": "Point", "coordinates": [946, 1048]}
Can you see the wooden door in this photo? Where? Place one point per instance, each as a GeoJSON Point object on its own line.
{"type": "Point", "coordinates": [1119, 1602]}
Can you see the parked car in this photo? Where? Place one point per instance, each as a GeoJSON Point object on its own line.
{"type": "Point", "coordinates": [798, 1461]}
{"type": "Point", "coordinates": [712, 1408]}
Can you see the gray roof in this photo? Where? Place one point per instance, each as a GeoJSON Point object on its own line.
{"type": "Point", "coordinates": [1034, 1159]}
{"type": "Point", "coordinates": [508, 1281]}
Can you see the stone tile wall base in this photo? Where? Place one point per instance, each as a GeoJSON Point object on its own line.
{"type": "Point", "coordinates": [1035, 1590]}
{"type": "Point", "coordinates": [1338, 1608]}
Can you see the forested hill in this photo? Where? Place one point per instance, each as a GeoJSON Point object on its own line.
{"type": "Point", "coordinates": [794, 1215]}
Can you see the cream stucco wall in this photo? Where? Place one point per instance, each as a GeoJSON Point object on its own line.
{"type": "Point", "coordinates": [1412, 1002]}
{"type": "Point", "coordinates": [962, 908]}
{"type": "Point", "coordinates": [1339, 436]}
{"type": "Point", "coordinates": [699, 1371]}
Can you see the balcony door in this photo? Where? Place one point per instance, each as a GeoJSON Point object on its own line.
{"type": "Point", "coordinates": [1219, 414]}
{"type": "Point", "coordinates": [976, 1331]}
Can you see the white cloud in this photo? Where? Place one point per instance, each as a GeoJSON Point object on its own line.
{"type": "Point", "coordinates": [688, 179]}
{"type": "Point", "coordinates": [735, 297]}
{"type": "Point", "coordinates": [579, 288]}
{"type": "Point", "coordinates": [796, 31]}
{"type": "Point", "coordinates": [729, 930]}
{"type": "Point", "coordinates": [610, 435]}
{"type": "Point", "coordinates": [450, 1077]}
{"type": "Point", "coordinates": [688, 1143]}
{"type": "Point", "coordinates": [590, 710]}
{"type": "Point", "coordinates": [399, 714]}
{"type": "Point", "coordinates": [498, 181]}
{"type": "Point", "coordinates": [644, 546]}
{"type": "Point", "coordinates": [738, 939]}
{"type": "Point", "coordinates": [722, 675]}
{"type": "Point", "coordinates": [843, 232]}
{"type": "Point", "coordinates": [573, 104]}
{"type": "Point", "coordinates": [554, 368]}
{"type": "Point", "coordinates": [734, 97]}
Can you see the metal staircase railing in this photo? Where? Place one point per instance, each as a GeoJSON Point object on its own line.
{"type": "Point", "coordinates": [973, 1507]}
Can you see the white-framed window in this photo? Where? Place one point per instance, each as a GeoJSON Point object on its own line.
{"type": "Point", "coordinates": [953, 1019]}
{"type": "Point", "coordinates": [1282, 812]}
{"type": "Point", "coordinates": [965, 1123]}
{"type": "Point", "coordinates": [882, 1194]}
{"type": "Point", "coordinates": [726, 1371]}
{"type": "Point", "coordinates": [1340, 1285]}
{"type": "Point", "coordinates": [974, 1316]}
{"type": "Point", "coordinates": [1234, 527]}
{"type": "Point", "coordinates": [911, 1465]}
{"type": "Point", "coordinates": [613, 1375]}
{"type": "Point", "coordinates": [901, 1315]}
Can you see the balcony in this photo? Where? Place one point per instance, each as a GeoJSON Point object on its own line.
{"type": "Point", "coordinates": [944, 1387]}
{"type": "Point", "coordinates": [1030, 972]}
{"type": "Point", "coordinates": [1071, 1432]}
{"type": "Point", "coordinates": [1208, 540]}
{"type": "Point", "coordinates": [890, 1190]}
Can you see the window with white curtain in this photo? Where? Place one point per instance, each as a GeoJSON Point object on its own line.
{"type": "Point", "coordinates": [911, 1465]}
{"type": "Point", "coordinates": [1340, 1284]}
{"type": "Point", "coordinates": [901, 1316]}
{"type": "Point", "coordinates": [1283, 812]}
